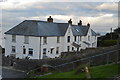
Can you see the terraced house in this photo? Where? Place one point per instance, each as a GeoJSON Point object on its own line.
{"type": "Point", "coordinates": [47, 39]}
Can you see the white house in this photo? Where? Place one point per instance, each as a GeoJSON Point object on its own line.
{"type": "Point", "coordinates": [47, 39]}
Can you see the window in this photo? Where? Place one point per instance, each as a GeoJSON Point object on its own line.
{"type": "Point", "coordinates": [44, 40]}
{"type": "Point", "coordinates": [80, 38]}
{"type": "Point", "coordinates": [51, 50]}
{"type": "Point", "coordinates": [68, 48]}
{"type": "Point", "coordinates": [77, 49]}
{"type": "Point", "coordinates": [72, 48]}
{"type": "Point", "coordinates": [95, 37]}
{"type": "Point", "coordinates": [24, 50]}
{"type": "Point", "coordinates": [13, 49]}
{"type": "Point", "coordinates": [57, 50]}
{"type": "Point", "coordinates": [74, 38]}
{"type": "Point", "coordinates": [58, 39]}
{"type": "Point", "coordinates": [44, 51]}
{"type": "Point", "coordinates": [13, 38]}
{"type": "Point", "coordinates": [68, 39]}
{"type": "Point", "coordinates": [26, 39]}
{"type": "Point", "coordinates": [30, 52]}
{"type": "Point", "coordinates": [88, 38]}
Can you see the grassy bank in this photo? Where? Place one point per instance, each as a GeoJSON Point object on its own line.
{"type": "Point", "coordinates": [105, 71]}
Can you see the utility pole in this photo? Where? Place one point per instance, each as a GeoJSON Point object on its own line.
{"type": "Point", "coordinates": [111, 32]}
{"type": "Point", "coordinates": [118, 44]}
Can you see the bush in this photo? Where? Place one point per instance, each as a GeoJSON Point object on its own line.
{"type": "Point", "coordinates": [105, 43]}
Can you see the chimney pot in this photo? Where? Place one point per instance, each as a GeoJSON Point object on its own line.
{"type": "Point", "coordinates": [50, 19]}
{"type": "Point", "coordinates": [88, 25]}
{"type": "Point", "coordinates": [70, 21]}
{"type": "Point", "coordinates": [80, 23]}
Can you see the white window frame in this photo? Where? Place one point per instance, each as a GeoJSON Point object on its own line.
{"type": "Point", "coordinates": [29, 52]}
{"type": "Point", "coordinates": [26, 39]}
{"type": "Point", "coordinates": [75, 38]}
{"type": "Point", "coordinates": [88, 38]}
{"type": "Point", "coordinates": [58, 39]}
{"type": "Point", "coordinates": [80, 38]}
{"type": "Point", "coordinates": [13, 38]}
{"type": "Point", "coordinates": [57, 50]}
{"type": "Point", "coordinates": [44, 40]}
{"type": "Point", "coordinates": [44, 50]}
{"type": "Point", "coordinates": [68, 39]}
{"type": "Point", "coordinates": [13, 49]}
{"type": "Point", "coordinates": [68, 48]}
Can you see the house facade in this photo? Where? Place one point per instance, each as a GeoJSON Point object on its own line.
{"type": "Point", "coordinates": [47, 39]}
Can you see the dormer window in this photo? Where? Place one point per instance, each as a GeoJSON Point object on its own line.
{"type": "Point", "coordinates": [13, 38]}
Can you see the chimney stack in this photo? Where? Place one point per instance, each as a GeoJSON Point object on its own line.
{"type": "Point", "coordinates": [50, 19]}
{"type": "Point", "coordinates": [70, 21]}
{"type": "Point", "coordinates": [80, 23]}
{"type": "Point", "coordinates": [88, 25]}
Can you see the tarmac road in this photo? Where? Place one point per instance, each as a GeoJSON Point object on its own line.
{"type": "Point", "coordinates": [9, 73]}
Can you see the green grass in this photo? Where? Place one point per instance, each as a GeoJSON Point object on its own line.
{"type": "Point", "coordinates": [105, 71]}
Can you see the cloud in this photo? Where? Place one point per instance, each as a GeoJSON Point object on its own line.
{"type": "Point", "coordinates": [98, 16]}
{"type": "Point", "coordinates": [108, 6]}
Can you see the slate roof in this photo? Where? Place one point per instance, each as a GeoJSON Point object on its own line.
{"type": "Point", "coordinates": [93, 33]}
{"type": "Point", "coordinates": [42, 28]}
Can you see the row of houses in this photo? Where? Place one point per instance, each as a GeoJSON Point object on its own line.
{"type": "Point", "coordinates": [47, 39]}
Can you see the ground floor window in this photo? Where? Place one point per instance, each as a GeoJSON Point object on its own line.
{"type": "Point", "coordinates": [68, 48]}
{"type": "Point", "coordinates": [51, 50]}
{"type": "Point", "coordinates": [78, 49]}
{"type": "Point", "coordinates": [24, 50]}
{"type": "Point", "coordinates": [57, 50]}
{"type": "Point", "coordinates": [30, 52]}
{"type": "Point", "coordinates": [72, 48]}
{"type": "Point", "coordinates": [44, 51]}
{"type": "Point", "coordinates": [13, 49]}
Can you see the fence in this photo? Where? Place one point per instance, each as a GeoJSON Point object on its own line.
{"type": "Point", "coordinates": [100, 59]}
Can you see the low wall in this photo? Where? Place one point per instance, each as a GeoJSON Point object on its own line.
{"type": "Point", "coordinates": [27, 65]}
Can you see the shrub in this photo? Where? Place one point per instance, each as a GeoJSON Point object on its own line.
{"type": "Point", "coordinates": [105, 43]}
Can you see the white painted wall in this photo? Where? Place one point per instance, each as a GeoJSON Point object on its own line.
{"type": "Point", "coordinates": [33, 43]}
{"type": "Point", "coordinates": [51, 43]}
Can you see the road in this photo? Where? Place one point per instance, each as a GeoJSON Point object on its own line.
{"type": "Point", "coordinates": [9, 73]}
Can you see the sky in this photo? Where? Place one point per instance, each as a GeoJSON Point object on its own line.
{"type": "Point", "coordinates": [101, 15]}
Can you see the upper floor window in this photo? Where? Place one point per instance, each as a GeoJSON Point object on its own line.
{"type": "Point", "coordinates": [26, 39]}
{"type": "Point", "coordinates": [30, 52]}
{"type": "Point", "coordinates": [58, 39]}
{"type": "Point", "coordinates": [68, 39]}
{"type": "Point", "coordinates": [80, 38]}
{"type": "Point", "coordinates": [57, 50]}
{"type": "Point", "coordinates": [75, 38]}
{"type": "Point", "coordinates": [13, 49]}
{"type": "Point", "coordinates": [44, 40]}
{"type": "Point", "coordinates": [13, 38]}
{"type": "Point", "coordinates": [88, 38]}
